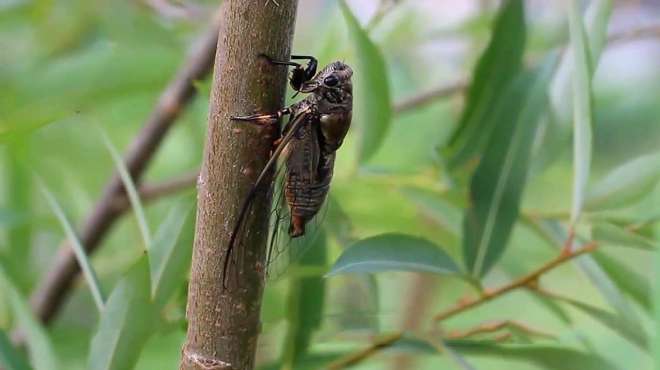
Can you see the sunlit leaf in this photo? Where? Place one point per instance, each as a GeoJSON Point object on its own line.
{"type": "Point", "coordinates": [10, 359]}
{"type": "Point", "coordinates": [305, 304]}
{"type": "Point", "coordinates": [394, 252]}
{"type": "Point", "coordinates": [76, 245]}
{"type": "Point", "coordinates": [126, 322]}
{"type": "Point", "coordinates": [498, 182]}
{"type": "Point", "coordinates": [500, 63]}
{"type": "Point", "coordinates": [612, 234]}
{"type": "Point", "coordinates": [130, 188]}
{"type": "Point", "coordinates": [582, 115]}
{"type": "Point", "coordinates": [373, 109]}
{"type": "Point", "coordinates": [625, 184]}
{"type": "Point", "coordinates": [41, 353]}
{"type": "Point", "coordinates": [169, 255]}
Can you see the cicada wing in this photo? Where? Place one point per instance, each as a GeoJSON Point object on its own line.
{"type": "Point", "coordinates": [298, 119]}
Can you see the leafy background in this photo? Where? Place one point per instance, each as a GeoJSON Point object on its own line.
{"type": "Point", "coordinates": [557, 130]}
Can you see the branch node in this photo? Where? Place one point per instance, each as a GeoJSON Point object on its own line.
{"type": "Point", "coordinates": [205, 363]}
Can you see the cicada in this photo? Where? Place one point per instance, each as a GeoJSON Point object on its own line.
{"type": "Point", "coordinates": [308, 143]}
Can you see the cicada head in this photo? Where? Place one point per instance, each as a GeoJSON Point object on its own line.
{"type": "Point", "coordinates": [335, 78]}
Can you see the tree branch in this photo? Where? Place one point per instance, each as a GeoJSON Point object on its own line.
{"type": "Point", "coordinates": [223, 319]}
{"type": "Point", "coordinates": [425, 98]}
{"type": "Point", "coordinates": [525, 281]}
{"type": "Point", "coordinates": [52, 291]}
{"type": "Point", "coordinates": [528, 281]}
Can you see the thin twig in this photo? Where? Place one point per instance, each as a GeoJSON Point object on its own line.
{"type": "Point", "coordinates": [151, 192]}
{"type": "Point", "coordinates": [430, 96]}
{"type": "Point", "coordinates": [493, 327]}
{"type": "Point", "coordinates": [357, 357]}
{"type": "Point", "coordinates": [528, 281]}
{"type": "Point", "coordinates": [648, 31]}
{"type": "Point", "coordinates": [55, 286]}
{"type": "Point", "coordinates": [525, 281]}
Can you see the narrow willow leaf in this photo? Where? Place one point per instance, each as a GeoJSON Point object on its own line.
{"type": "Point", "coordinates": [597, 18]}
{"type": "Point", "coordinates": [500, 63]}
{"type": "Point", "coordinates": [130, 188]}
{"type": "Point", "coordinates": [582, 115]}
{"type": "Point", "coordinates": [543, 356]}
{"type": "Point", "coordinates": [305, 305]}
{"type": "Point", "coordinates": [394, 252]}
{"type": "Point", "coordinates": [433, 205]}
{"type": "Point", "coordinates": [76, 245]}
{"type": "Point", "coordinates": [169, 256]}
{"type": "Point", "coordinates": [41, 353]}
{"type": "Point", "coordinates": [10, 359]}
{"type": "Point", "coordinates": [626, 279]}
{"type": "Point", "coordinates": [373, 111]}
{"type": "Point", "coordinates": [498, 182]}
{"type": "Point", "coordinates": [633, 333]}
{"type": "Point", "coordinates": [656, 311]}
{"type": "Point", "coordinates": [594, 272]}
{"type": "Point", "coordinates": [126, 322]}
{"type": "Point", "coordinates": [19, 200]}
{"type": "Point", "coordinates": [626, 184]}
{"type": "Point", "coordinates": [611, 234]}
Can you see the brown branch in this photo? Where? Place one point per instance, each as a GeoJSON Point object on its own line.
{"type": "Point", "coordinates": [224, 316]}
{"type": "Point", "coordinates": [525, 281]}
{"type": "Point", "coordinates": [429, 96]}
{"type": "Point", "coordinates": [151, 192]}
{"type": "Point", "coordinates": [493, 327]}
{"type": "Point", "coordinates": [528, 281]}
{"type": "Point", "coordinates": [642, 32]}
{"type": "Point", "coordinates": [357, 357]}
{"type": "Point", "coordinates": [52, 291]}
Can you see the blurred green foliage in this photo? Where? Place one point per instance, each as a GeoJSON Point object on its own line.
{"type": "Point", "coordinates": [416, 191]}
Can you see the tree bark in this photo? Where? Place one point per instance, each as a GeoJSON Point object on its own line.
{"type": "Point", "coordinates": [224, 322]}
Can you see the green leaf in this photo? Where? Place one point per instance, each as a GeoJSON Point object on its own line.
{"type": "Point", "coordinates": [442, 211]}
{"type": "Point", "coordinates": [130, 188]}
{"type": "Point", "coordinates": [373, 110]}
{"type": "Point", "coordinates": [76, 245]}
{"type": "Point", "coordinates": [126, 322]}
{"type": "Point", "coordinates": [500, 63]}
{"type": "Point", "coordinates": [633, 333]}
{"type": "Point", "coordinates": [596, 17]}
{"type": "Point", "coordinates": [625, 184]}
{"type": "Point", "coordinates": [305, 305]}
{"type": "Point", "coordinates": [498, 182]}
{"type": "Point", "coordinates": [626, 279]}
{"type": "Point", "coordinates": [545, 357]}
{"type": "Point", "coordinates": [41, 353]}
{"type": "Point", "coordinates": [594, 272]}
{"type": "Point", "coordinates": [169, 256]}
{"type": "Point", "coordinates": [394, 252]}
{"type": "Point", "coordinates": [10, 359]}
{"type": "Point", "coordinates": [19, 201]}
{"type": "Point", "coordinates": [582, 115]}
{"type": "Point", "coordinates": [611, 234]}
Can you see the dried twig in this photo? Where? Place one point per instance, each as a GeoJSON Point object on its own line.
{"type": "Point", "coordinates": [53, 289]}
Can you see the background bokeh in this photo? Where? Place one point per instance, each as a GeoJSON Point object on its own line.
{"type": "Point", "coordinates": [70, 67]}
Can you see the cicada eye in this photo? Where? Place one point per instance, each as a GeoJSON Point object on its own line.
{"type": "Point", "coordinates": [331, 81]}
